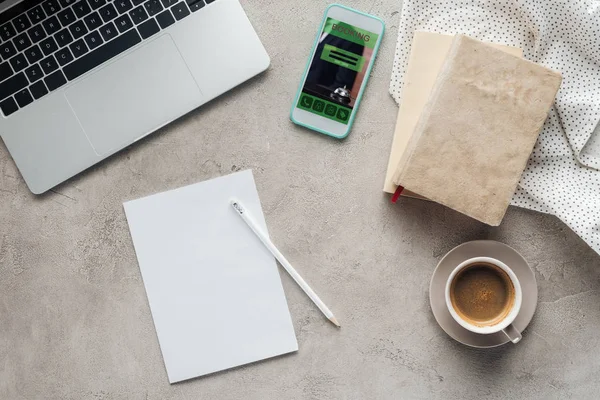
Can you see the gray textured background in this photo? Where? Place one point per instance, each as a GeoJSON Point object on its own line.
{"type": "Point", "coordinates": [75, 322]}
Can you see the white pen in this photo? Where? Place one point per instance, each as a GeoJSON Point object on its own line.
{"type": "Point", "coordinates": [247, 217]}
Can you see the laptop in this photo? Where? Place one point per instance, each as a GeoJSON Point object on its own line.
{"type": "Point", "coordinates": [82, 79]}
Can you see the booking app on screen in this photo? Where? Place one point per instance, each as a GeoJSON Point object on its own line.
{"type": "Point", "coordinates": [337, 70]}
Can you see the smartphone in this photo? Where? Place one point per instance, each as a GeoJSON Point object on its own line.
{"type": "Point", "coordinates": [337, 71]}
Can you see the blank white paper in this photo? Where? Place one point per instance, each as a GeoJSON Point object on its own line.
{"type": "Point", "coordinates": [213, 288]}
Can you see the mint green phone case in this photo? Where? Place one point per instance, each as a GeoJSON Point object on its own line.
{"type": "Point", "coordinates": [364, 84]}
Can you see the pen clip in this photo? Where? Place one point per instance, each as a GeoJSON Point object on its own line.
{"type": "Point", "coordinates": [237, 206]}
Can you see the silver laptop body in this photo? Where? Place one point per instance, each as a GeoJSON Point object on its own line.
{"type": "Point", "coordinates": [179, 56]}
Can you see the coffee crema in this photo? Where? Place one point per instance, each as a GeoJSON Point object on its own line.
{"type": "Point", "coordinates": [482, 294]}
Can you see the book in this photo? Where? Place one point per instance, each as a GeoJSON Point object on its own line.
{"type": "Point", "coordinates": [427, 55]}
{"type": "Point", "coordinates": [477, 130]}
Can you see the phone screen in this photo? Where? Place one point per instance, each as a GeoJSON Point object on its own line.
{"type": "Point", "coordinates": [337, 71]}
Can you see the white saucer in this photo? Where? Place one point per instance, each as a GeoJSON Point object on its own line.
{"type": "Point", "coordinates": [481, 248]}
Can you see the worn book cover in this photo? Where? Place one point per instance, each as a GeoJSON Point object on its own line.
{"type": "Point", "coordinates": [427, 55]}
{"type": "Point", "coordinates": [477, 130]}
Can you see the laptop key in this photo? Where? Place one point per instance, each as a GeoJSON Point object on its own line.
{"type": "Point", "coordinates": [66, 3]}
{"type": "Point", "coordinates": [51, 25]}
{"type": "Point", "coordinates": [23, 97]}
{"type": "Point", "coordinates": [21, 23]}
{"type": "Point", "coordinates": [9, 106]}
{"type": "Point", "coordinates": [153, 7]}
{"type": "Point", "coordinates": [168, 3]}
{"type": "Point", "coordinates": [78, 48]}
{"type": "Point", "coordinates": [108, 12]}
{"type": "Point", "coordinates": [33, 54]}
{"type": "Point", "coordinates": [51, 7]}
{"type": "Point", "coordinates": [13, 84]}
{"type": "Point", "coordinates": [102, 54]}
{"type": "Point", "coordinates": [34, 73]}
{"type": "Point", "coordinates": [7, 50]}
{"type": "Point", "coordinates": [66, 17]}
{"type": "Point", "coordinates": [48, 46]}
{"type": "Point", "coordinates": [36, 14]}
{"type": "Point", "coordinates": [37, 33]}
{"type": "Point", "coordinates": [22, 41]}
{"type": "Point", "coordinates": [5, 70]}
{"type": "Point", "coordinates": [63, 38]}
{"type": "Point", "coordinates": [18, 62]}
{"type": "Point", "coordinates": [93, 21]}
{"type": "Point", "coordinates": [54, 81]}
{"type": "Point", "coordinates": [78, 29]}
{"type": "Point", "coordinates": [92, 40]}
{"type": "Point", "coordinates": [137, 2]}
{"type": "Point", "coordinates": [148, 28]}
{"type": "Point", "coordinates": [38, 89]}
{"type": "Point", "coordinates": [138, 15]}
{"type": "Point", "coordinates": [108, 31]}
{"type": "Point", "coordinates": [165, 19]}
{"type": "Point", "coordinates": [123, 6]}
{"type": "Point", "coordinates": [64, 56]}
{"type": "Point", "coordinates": [123, 23]}
{"type": "Point", "coordinates": [7, 31]}
{"type": "Point", "coordinates": [49, 64]}
{"type": "Point", "coordinates": [96, 4]}
{"type": "Point", "coordinates": [195, 5]}
{"type": "Point", "coordinates": [81, 9]}
{"type": "Point", "coordinates": [180, 11]}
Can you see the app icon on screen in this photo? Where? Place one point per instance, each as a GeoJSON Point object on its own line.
{"type": "Point", "coordinates": [330, 110]}
{"type": "Point", "coordinates": [342, 114]}
{"type": "Point", "coordinates": [306, 101]}
{"type": "Point", "coordinates": [318, 106]}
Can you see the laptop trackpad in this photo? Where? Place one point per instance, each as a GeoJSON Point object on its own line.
{"type": "Point", "coordinates": [134, 95]}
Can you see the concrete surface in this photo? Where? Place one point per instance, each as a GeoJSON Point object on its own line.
{"type": "Point", "coordinates": [75, 322]}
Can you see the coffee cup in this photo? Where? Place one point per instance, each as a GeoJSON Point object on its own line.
{"type": "Point", "coordinates": [484, 296]}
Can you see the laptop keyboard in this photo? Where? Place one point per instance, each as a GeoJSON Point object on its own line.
{"type": "Point", "coordinates": [45, 45]}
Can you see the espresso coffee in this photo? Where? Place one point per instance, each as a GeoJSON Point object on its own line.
{"type": "Point", "coordinates": [482, 294]}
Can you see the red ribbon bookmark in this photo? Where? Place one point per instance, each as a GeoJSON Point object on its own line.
{"type": "Point", "coordinates": [397, 194]}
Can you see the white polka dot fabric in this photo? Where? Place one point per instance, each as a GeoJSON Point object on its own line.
{"type": "Point", "coordinates": [563, 173]}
